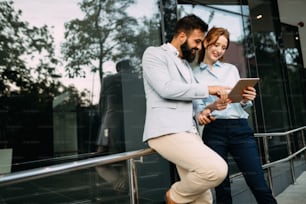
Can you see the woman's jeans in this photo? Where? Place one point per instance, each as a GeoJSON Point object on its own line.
{"type": "Point", "coordinates": [234, 136]}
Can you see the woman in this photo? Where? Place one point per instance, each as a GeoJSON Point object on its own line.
{"type": "Point", "coordinates": [227, 130]}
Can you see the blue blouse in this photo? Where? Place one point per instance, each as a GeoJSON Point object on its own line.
{"type": "Point", "coordinates": [222, 74]}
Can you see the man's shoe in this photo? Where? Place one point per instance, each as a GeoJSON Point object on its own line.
{"type": "Point", "coordinates": [168, 199]}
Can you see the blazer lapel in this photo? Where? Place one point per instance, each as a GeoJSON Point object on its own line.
{"type": "Point", "coordinates": [185, 72]}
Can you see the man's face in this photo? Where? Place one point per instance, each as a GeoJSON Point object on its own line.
{"type": "Point", "coordinates": [192, 44]}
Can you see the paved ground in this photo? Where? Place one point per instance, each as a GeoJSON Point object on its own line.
{"type": "Point", "coordinates": [294, 194]}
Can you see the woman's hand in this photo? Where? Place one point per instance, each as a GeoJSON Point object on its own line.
{"type": "Point", "coordinates": [204, 117]}
{"type": "Point", "coordinates": [249, 94]}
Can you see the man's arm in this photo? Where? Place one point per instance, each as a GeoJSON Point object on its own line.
{"type": "Point", "coordinates": [158, 75]}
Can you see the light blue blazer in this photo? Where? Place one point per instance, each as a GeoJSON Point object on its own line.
{"type": "Point", "coordinates": [170, 88]}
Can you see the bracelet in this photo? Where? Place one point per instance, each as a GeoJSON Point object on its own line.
{"type": "Point", "coordinates": [243, 104]}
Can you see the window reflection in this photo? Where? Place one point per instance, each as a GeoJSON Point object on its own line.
{"type": "Point", "coordinates": [294, 69]}
{"type": "Point", "coordinates": [236, 16]}
{"type": "Point", "coordinates": [52, 68]}
{"type": "Point", "coordinates": [291, 57]}
{"type": "Point", "coordinates": [238, 25]}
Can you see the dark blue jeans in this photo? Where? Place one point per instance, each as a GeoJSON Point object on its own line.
{"type": "Point", "coordinates": [234, 136]}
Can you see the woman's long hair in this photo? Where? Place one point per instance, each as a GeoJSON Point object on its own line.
{"type": "Point", "coordinates": [211, 38]}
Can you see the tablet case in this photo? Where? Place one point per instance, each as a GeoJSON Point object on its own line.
{"type": "Point", "coordinates": [236, 93]}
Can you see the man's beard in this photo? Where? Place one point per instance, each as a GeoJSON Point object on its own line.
{"type": "Point", "coordinates": [187, 52]}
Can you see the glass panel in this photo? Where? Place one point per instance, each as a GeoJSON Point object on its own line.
{"type": "Point", "coordinates": [214, 15]}
{"type": "Point", "coordinates": [82, 186]}
{"type": "Point", "coordinates": [55, 57]}
{"type": "Point", "coordinates": [294, 64]}
{"type": "Point", "coordinates": [274, 112]}
{"type": "Point", "coordinates": [102, 184]}
{"type": "Point", "coordinates": [70, 73]}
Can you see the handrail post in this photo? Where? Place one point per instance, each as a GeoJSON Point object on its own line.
{"type": "Point", "coordinates": [291, 160]}
{"type": "Point", "coordinates": [303, 142]}
{"type": "Point", "coordinates": [267, 159]}
{"type": "Point", "coordinates": [134, 197]}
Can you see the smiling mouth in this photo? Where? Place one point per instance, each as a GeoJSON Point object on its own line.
{"type": "Point", "coordinates": [194, 50]}
{"type": "Point", "coordinates": [215, 55]}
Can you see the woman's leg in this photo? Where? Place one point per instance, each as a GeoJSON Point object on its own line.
{"type": "Point", "coordinates": [245, 152]}
{"type": "Point", "coordinates": [215, 136]}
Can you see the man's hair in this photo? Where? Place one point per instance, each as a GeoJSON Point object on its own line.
{"type": "Point", "coordinates": [124, 65]}
{"type": "Point", "coordinates": [189, 23]}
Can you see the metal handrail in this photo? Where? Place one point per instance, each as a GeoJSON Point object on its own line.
{"type": "Point", "coordinates": [32, 174]}
{"type": "Point", "coordinates": [268, 165]}
{"type": "Point", "coordinates": [271, 164]}
{"type": "Point", "coordinates": [289, 148]}
{"type": "Point", "coordinates": [265, 166]}
{"type": "Point", "coordinates": [279, 133]}
{"type": "Point", "coordinates": [42, 172]}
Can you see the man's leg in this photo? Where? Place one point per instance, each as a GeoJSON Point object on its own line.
{"type": "Point", "coordinates": [204, 198]}
{"type": "Point", "coordinates": [205, 168]}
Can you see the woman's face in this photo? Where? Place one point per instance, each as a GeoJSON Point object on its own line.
{"type": "Point", "coordinates": [215, 51]}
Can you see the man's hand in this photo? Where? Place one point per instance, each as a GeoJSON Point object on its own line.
{"type": "Point", "coordinates": [219, 104]}
{"type": "Point", "coordinates": [220, 91]}
{"type": "Point", "coordinates": [248, 94]}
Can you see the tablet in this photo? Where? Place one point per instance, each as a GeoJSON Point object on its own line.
{"type": "Point", "coordinates": [235, 93]}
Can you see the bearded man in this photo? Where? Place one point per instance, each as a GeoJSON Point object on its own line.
{"type": "Point", "coordinates": [169, 128]}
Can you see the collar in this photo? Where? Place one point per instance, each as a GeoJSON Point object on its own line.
{"type": "Point", "coordinates": [172, 49]}
{"type": "Point", "coordinates": [203, 66]}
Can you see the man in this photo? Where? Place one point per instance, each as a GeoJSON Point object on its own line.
{"type": "Point", "coordinates": [169, 128]}
{"type": "Point", "coordinates": [111, 136]}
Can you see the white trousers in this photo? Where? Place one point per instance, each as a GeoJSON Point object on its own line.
{"type": "Point", "coordinates": [199, 167]}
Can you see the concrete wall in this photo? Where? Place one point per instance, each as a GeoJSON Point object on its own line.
{"type": "Point", "coordinates": [292, 12]}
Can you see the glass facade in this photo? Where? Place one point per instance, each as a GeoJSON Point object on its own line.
{"type": "Point", "coordinates": [54, 99]}
{"type": "Point", "coordinates": [71, 88]}
{"type": "Point", "coordinates": [71, 77]}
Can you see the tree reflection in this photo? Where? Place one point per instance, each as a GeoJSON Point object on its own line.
{"type": "Point", "coordinates": [27, 89]}
{"type": "Point", "coordinates": [30, 86]}
{"type": "Point", "coordinates": [103, 34]}
{"type": "Point", "coordinates": [19, 40]}
{"type": "Point", "coordinates": [106, 33]}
